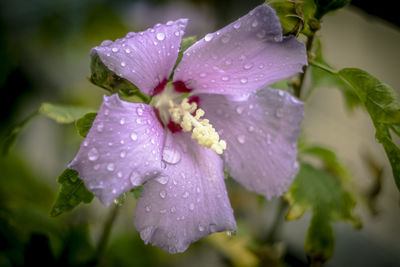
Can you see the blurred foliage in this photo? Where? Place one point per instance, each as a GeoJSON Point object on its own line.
{"type": "Point", "coordinates": [84, 123]}
{"type": "Point", "coordinates": [72, 193]}
{"type": "Point", "coordinates": [318, 191]}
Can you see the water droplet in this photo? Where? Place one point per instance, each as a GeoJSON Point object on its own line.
{"type": "Point", "coordinates": [173, 209]}
{"type": "Point", "coordinates": [123, 64]}
{"type": "Point", "coordinates": [139, 111]}
{"type": "Point", "coordinates": [201, 228]}
{"type": "Point", "coordinates": [261, 34]}
{"type": "Point", "coordinates": [127, 50]}
{"type": "Point", "coordinates": [225, 78]}
{"type": "Point", "coordinates": [171, 156]}
{"type": "Point", "coordinates": [241, 139]}
{"type": "Point", "coordinates": [243, 80]}
{"type": "Point", "coordinates": [93, 154]}
{"type": "Point", "coordinates": [110, 167]}
{"type": "Point", "coordinates": [269, 139]}
{"type": "Point", "coordinates": [148, 208]}
{"type": "Point", "coordinates": [100, 127]}
{"type": "Point", "coordinates": [281, 93]}
{"type": "Point", "coordinates": [85, 143]}
{"type": "Point", "coordinates": [208, 37]}
{"type": "Point", "coordinates": [163, 211]}
{"type": "Point", "coordinates": [160, 36]}
{"type": "Point", "coordinates": [119, 174]}
{"type": "Point", "coordinates": [254, 24]}
{"type": "Point", "coordinates": [162, 179]}
{"type": "Point", "coordinates": [261, 66]}
{"type": "Point", "coordinates": [114, 49]}
{"type": "Point", "coordinates": [122, 121]}
{"type": "Point", "coordinates": [247, 66]}
{"type": "Point", "coordinates": [225, 39]}
{"type": "Point", "coordinates": [251, 129]}
{"type": "Point", "coordinates": [203, 75]}
{"type": "Point", "coordinates": [163, 194]}
{"type": "Point", "coordinates": [279, 113]}
{"type": "Point", "coordinates": [186, 194]}
{"type": "Point", "coordinates": [106, 43]}
{"type": "Point", "coordinates": [134, 178]}
{"type": "Point", "coordinates": [198, 189]}
{"type": "Point", "coordinates": [191, 206]}
{"type": "Point", "coordinates": [277, 38]}
{"type": "Point", "coordinates": [239, 109]}
{"type": "Point", "coordinates": [228, 62]}
{"type": "Point", "coordinates": [236, 25]}
{"type": "Point", "coordinates": [138, 121]}
{"type": "Point", "coordinates": [122, 154]}
{"type": "Point", "coordinates": [134, 136]}
{"type": "Point", "coordinates": [177, 33]}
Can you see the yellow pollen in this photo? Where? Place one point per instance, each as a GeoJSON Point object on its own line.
{"type": "Point", "coordinates": [203, 131]}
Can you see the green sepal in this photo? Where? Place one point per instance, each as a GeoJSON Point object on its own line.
{"type": "Point", "coordinates": [63, 113]}
{"type": "Point", "coordinates": [110, 81]}
{"type": "Point", "coordinates": [295, 16]}
{"type": "Point", "coordinates": [316, 190]}
{"type": "Point", "coordinates": [72, 193]}
{"type": "Point", "coordinates": [137, 191]}
{"type": "Point", "coordinates": [84, 123]}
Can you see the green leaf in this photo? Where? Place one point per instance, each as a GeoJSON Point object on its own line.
{"type": "Point", "coordinates": [62, 113]}
{"type": "Point", "coordinates": [72, 193]}
{"type": "Point", "coordinates": [281, 85]}
{"type": "Point", "coordinates": [325, 6]}
{"type": "Point", "coordinates": [11, 136]}
{"type": "Point", "coordinates": [323, 194]}
{"type": "Point", "coordinates": [391, 149]}
{"type": "Point", "coordinates": [330, 79]}
{"type": "Point", "coordinates": [379, 98]}
{"type": "Point", "coordinates": [185, 44]}
{"type": "Point", "coordinates": [110, 81]}
{"type": "Point", "coordinates": [330, 161]}
{"type": "Point", "coordinates": [137, 191]}
{"type": "Point", "coordinates": [84, 123]}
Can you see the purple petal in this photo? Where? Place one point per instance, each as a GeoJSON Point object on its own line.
{"type": "Point", "coordinates": [243, 57]}
{"type": "Point", "coordinates": [189, 202]}
{"type": "Point", "coordinates": [261, 136]}
{"type": "Point", "coordinates": [122, 149]}
{"type": "Point", "coordinates": [146, 59]}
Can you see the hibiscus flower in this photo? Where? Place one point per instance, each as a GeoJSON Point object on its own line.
{"type": "Point", "coordinates": [214, 112]}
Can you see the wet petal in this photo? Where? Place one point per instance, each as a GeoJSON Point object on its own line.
{"type": "Point", "coordinates": [122, 149]}
{"type": "Point", "coordinates": [189, 202]}
{"type": "Point", "coordinates": [243, 57]}
{"type": "Point", "coordinates": [261, 136]}
{"type": "Point", "coordinates": [146, 59]}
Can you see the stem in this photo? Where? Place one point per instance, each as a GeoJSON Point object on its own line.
{"type": "Point", "coordinates": [105, 235]}
{"type": "Point", "coordinates": [298, 87]}
{"type": "Point", "coordinates": [277, 224]}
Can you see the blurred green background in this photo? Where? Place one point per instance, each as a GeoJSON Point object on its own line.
{"type": "Point", "coordinates": [44, 56]}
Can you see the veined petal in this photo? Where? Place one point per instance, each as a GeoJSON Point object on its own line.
{"type": "Point", "coordinates": [261, 135]}
{"type": "Point", "coordinates": [189, 202]}
{"type": "Point", "coordinates": [146, 59]}
{"type": "Point", "coordinates": [243, 57]}
{"type": "Point", "coordinates": [122, 149]}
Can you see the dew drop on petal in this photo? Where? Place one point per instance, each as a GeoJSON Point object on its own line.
{"type": "Point", "coordinates": [248, 66]}
{"type": "Point", "coordinates": [186, 194]}
{"type": "Point", "coordinates": [100, 127]}
{"type": "Point", "coordinates": [127, 50]}
{"type": "Point", "coordinates": [93, 154]}
{"type": "Point", "coordinates": [239, 109]}
{"type": "Point", "coordinates": [261, 66]}
{"type": "Point", "coordinates": [254, 24]}
{"type": "Point", "coordinates": [173, 209]}
{"type": "Point", "coordinates": [123, 64]}
{"type": "Point", "coordinates": [110, 167]}
{"type": "Point", "coordinates": [163, 194]}
{"type": "Point", "coordinates": [122, 121]}
{"type": "Point", "coordinates": [241, 139]}
{"type": "Point", "coordinates": [139, 111]}
{"type": "Point", "coordinates": [243, 80]}
{"type": "Point", "coordinates": [251, 129]}
{"type": "Point", "coordinates": [148, 208]}
{"type": "Point", "coordinates": [191, 206]}
{"type": "Point", "coordinates": [236, 25]}
{"type": "Point", "coordinates": [208, 37]}
{"type": "Point", "coordinates": [201, 228]}
{"type": "Point", "coordinates": [114, 49]}
{"type": "Point", "coordinates": [279, 113]}
{"type": "Point", "coordinates": [171, 156]}
{"type": "Point", "coordinates": [225, 78]}
{"type": "Point", "coordinates": [177, 33]}
{"type": "Point", "coordinates": [163, 179]}
{"type": "Point", "coordinates": [160, 36]}
{"type": "Point", "coordinates": [119, 174]}
{"type": "Point", "coordinates": [134, 136]}
{"type": "Point", "coordinates": [134, 178]}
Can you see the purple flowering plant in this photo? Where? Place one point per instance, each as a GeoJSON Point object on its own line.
{"type": "Point", "coordinates": [181, 116]}
{"type": "Point", "coordinates": [214, 112]}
